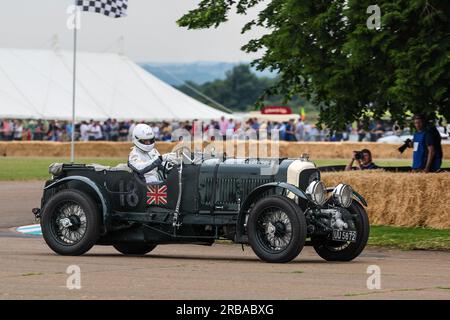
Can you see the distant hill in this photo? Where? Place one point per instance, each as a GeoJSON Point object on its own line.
{"type": "Point", "coordinates": [198, 72]}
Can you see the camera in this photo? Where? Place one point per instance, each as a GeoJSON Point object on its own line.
{"type": "Point", "coordinates": [358, 155]}
{"type": "Point", "coordinates": [405, 145]}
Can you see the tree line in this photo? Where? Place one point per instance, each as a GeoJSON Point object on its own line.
{"type": "Point", "coordinates": [240, 90]}
{"type": "Point", "coordinates": [328, 52]}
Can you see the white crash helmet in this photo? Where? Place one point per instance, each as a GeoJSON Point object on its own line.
{"type": "Point", "coordinates": [143, 137]}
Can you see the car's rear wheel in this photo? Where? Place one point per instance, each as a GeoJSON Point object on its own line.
{"type": "Point", "coordinates": [276, 229]}
{"type": "Point", "coordinates": [70, 223]}
{"type": "Point", "coordinates": [130, 248]}
{"type": "Point", "coordinates": [345, 251]}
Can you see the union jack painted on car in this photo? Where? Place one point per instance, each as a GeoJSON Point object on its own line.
{"type": "Point", "coordinates": [157, 194]}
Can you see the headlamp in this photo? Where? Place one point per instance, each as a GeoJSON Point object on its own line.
{"type": "Point", "coordinates": [317, 191]}
{"type": "Point", "coordinates": [343, 194]}
{"type": "Point", "coordinates": [55, 169]}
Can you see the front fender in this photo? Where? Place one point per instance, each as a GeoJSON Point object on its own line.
{"type": "Point", "coordinates": [103, 198]}
{"type": "Point", "coordinates": [271, 185]}
{"type": "Point", "coordinates": [253, 196]}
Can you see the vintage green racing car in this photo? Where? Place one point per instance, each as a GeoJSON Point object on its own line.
{"type": "Point", "coordinates": [275, 205]}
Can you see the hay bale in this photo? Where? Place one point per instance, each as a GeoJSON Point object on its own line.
{"type": "Point", "coordinates": [35, 149]}
{"type": "Point", "coordinates": [402, 199]}
{"type": "Point", "coordinates": [342, 150]}
{"type": "Point", "coordinates": [3, 146]}
{"type": "Point", "coordinates": [329, 150]}
{"type": "Point", "coordinates": [102, 149]}
{"type": "Point", "coordinates": [317, 150]}
{"type": "Point", "coordinates": [165, 147]}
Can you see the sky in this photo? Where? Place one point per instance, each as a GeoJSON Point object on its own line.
{"type": "Point", "coordinates": [150, 32]}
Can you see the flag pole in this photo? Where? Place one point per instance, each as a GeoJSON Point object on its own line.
{"type": "Point", "coordinates": [72, 144]}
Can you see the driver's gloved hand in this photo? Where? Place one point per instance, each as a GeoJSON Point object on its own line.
{"type": "Point", "coordinates": [158, 162]}
{"type": "Point", "coordinates": [161, 167]}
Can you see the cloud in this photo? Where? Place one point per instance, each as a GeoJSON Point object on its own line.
{"type": "Point", "coordinates": [150, 31]}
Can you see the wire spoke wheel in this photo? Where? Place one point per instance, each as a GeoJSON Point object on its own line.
{"type": "Point", "coordinates": [69, 223]}
{"type": "Point", "coordinates": [274, 229]}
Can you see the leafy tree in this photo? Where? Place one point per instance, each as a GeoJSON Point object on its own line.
{"type": "Point", "coordinates": [323, 50]}
{"type": "Point", "coordinates": [240, 89]}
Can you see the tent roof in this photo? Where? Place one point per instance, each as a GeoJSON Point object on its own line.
{"type": "Point", "coordinates": [37, 84]}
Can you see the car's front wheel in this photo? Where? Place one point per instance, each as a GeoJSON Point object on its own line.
{"type": "Point", "coordinates": [70, 223]}
{"type": "Point", "coordinates": [276, 229]}
{"type": "Point", "coordinates": [134, 248]}
{"type": "Point", "coordinates": [345, 251]}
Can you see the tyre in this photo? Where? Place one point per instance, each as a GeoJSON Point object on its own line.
{"type": "Point", "coordinates": [70, 223]}
{"type": "Point", "coordinates": [345, 251]}
{"type": "Point", "coordinates": [134, 248]}
{"type": "Point", "coordinates": [276, 229]}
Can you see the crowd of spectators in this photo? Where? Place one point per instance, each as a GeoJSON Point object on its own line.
{"type": "Point", "coordinates": [53, 130]}
{"type": "Point", "coordinates": [113, 130]}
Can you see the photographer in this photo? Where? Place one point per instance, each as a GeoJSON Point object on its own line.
{"type": "Point", "coordinates": [427, 155]}
{"type": "Point", "coordinates": [364, 159]}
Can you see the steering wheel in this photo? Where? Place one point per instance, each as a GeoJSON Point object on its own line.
{"type": "Point", "coordinates": [180, 152]}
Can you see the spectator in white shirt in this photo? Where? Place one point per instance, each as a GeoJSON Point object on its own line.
{"type": "Point", "coordinates": [84, 131]}
{"type": "Point", "coordinates": [96, 131]}
{"type": "Point", "coordinates": [130, 130]}
{"type": "Point", "coordinates": [230, 128]}
{"type": "Point", "coordinates": [300, 131]}
{"type": "Point", "coordinates": [18, 130]}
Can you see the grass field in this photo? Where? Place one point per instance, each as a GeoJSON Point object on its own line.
{"type": "Point", "coordinates": [410, 238]}
{"type": "Point", "coordinates": [36, 168]}
{"type": "Point", "coordinates": [23, 168]}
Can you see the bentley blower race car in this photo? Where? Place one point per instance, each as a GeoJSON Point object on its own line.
{"type": "Point", "coordinates": [276, 206]}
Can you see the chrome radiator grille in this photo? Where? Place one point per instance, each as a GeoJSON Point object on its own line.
{"type": "Point", "coordinates": [227, 188]}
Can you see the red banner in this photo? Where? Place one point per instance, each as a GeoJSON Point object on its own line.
{"type": "Point", "coordinates": [276, 110]}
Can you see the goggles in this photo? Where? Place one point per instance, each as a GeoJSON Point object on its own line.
{"type": "Point", "coordinates": [147, 141]}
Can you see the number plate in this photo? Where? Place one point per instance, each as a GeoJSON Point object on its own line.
{"type": "Point", "coordinates": [343, 235]}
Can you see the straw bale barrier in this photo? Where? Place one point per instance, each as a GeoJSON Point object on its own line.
{"type": "Point", "coordinates": [317, 150]}
{"type": "Point", "coordinates": [3, 149]}
{"type": "Point", "coordinates": [401, 199]}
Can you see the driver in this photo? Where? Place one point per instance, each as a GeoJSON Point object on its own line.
{"type": "Point", "coordinates": [144, 158]}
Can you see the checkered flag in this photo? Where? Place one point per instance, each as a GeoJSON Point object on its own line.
{"type": "Point", "coordinates": [110, 8]}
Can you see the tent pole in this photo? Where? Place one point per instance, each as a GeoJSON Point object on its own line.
{"type": "Point", "coordinates": [72, 143]}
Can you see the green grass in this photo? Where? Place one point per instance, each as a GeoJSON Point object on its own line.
{"type": "Point", "coordinates": [32, 274]}
{"type": "Point", "coordinates": [410, 238]}
{"type": "Point", "coordinates": [36, 168]}
{"type": "Point", "coordinates": [22, 168]}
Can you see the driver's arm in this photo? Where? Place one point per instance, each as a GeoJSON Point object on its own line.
{"type": "Point", "coordinates": [141, 166]}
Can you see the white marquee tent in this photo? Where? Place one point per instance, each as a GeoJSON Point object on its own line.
{"type": "Point", "coordinates": [37, 84]}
